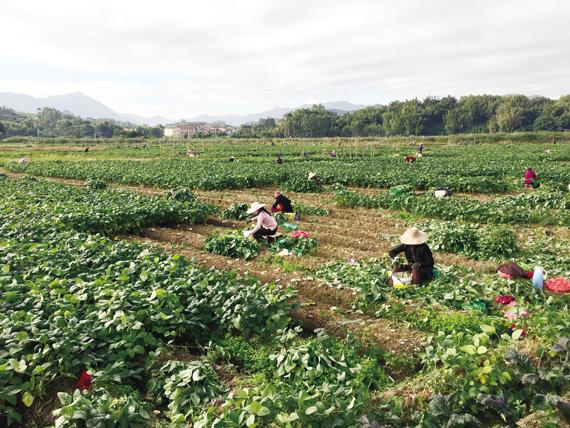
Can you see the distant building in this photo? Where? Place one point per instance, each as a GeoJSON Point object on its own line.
{"type": "Point", "coordinates": [182, 131]}
{"type": "Point", "coordinates": [196, 129]}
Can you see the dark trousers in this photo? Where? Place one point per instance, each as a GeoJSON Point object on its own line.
{"type": "Point", "coordinates": [263, 232]}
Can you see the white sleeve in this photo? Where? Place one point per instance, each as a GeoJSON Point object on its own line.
{"type": "Point", "coordinates": [257, 225]}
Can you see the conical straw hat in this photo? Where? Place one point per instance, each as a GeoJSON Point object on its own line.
{"type": "Point", "coordinates": [413, 236]}
{"type": "Point", "coordinates": [256, 206]}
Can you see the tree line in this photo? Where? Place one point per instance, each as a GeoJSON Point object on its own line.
{"type": "Point", "coordinates": [431, 116]}
{"type": "Point", "coordinates": [49, 122]}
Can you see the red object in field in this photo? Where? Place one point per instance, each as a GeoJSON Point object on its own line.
{"type": "Point", "coordinates": [557, 285]}
{"type": "Point", "coordinates": [514, 327]}
{"type": "Point", "coordinates": [410, 159]}
{"type": "Point", "coordinates": [504, 300]}
{"type": "Point", "coordinates": [84, 381]}
{"type": "Point", "coordinates": [300, 234]}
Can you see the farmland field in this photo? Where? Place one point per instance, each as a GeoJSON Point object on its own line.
{"type": "Point", "coordinates": [127, 262]}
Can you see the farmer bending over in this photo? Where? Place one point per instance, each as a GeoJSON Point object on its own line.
{"type": "Point", "coordinates": [314, 177]}
{"type": "Point", "coordinates": [281, 204]}
{"type": "Point", "coordinates": [418, 255]}
{"type": "Point", "coordinates": [531, 179]}
{"type": "Point", "coordinates": [265, 224]}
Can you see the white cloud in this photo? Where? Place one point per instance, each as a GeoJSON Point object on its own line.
{"type": "Point", "coordinates": [181, 59]}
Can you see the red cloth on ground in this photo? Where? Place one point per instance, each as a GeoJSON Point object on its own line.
{"type": "Point", "coordinates": [557, 285]}
{"type": "Point", "coordinates": [300, 234]}
{"type": "Point", "coordinates": [504, 300]}
{"type": "Point", "coordinates": [84, 381]}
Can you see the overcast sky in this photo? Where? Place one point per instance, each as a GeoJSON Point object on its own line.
{"type": "Point", "coordinates": [184, 58]}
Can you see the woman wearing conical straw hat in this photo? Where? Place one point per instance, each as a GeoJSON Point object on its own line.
{"type": "Point", "coordinates": [314, 177]}
{"type": "Point", "coordinates": [265, 224]}
{"type": "Point", "coordinates": [418, 255]}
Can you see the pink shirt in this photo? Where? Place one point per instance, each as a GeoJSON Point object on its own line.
{"type": "Point", "coordinates": [264, 220]}
{"type": "Point", "coordinates": [530, 175]}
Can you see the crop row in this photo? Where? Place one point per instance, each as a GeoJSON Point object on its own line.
{"type": "Point", "coordinates": [488, 168]}
{"type": "Point", "coordinates": [91, 210]}
{"type": "Point", "coordinates": [540, 207]}
{"type": "Point", "coordinates": [458, 174]}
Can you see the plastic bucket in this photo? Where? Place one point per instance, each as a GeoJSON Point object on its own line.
{"type": "Point", "coordinates": [401, 282]}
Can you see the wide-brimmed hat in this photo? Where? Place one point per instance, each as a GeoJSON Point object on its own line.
{"type": "Point", "coordinates": [312, 175]}
{"type": "Point", "coordinates": [256, 206]}
{"type": "Point", "coordinates": [413, 236]}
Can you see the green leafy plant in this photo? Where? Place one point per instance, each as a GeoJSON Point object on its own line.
{"type": "Point", "coordinates": [181, 194]}
{"type": "Point", "coordinates": [236, 212]}
{"type": "Point", "coordinates": [308, 210]}
{"type": "Point", "coordinates": [232, 244]}
{"type": "Point", "coordinates": [101, 408]}
{"type": "Point", "coordinates": [297, 246]}
{"type": "Point", "coordinates": [497, 242]}
{"type": "Point", "coordinates": [186, 386]}
{"type": "Point", "coordinates": [300, 183]}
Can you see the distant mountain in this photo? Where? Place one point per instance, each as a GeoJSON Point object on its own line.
{"type": "Point", "coordinates": [239, 119]}
{"type": "Point", "coordinates": [77, 104]}
{"type": "Point", "coordinates": [152, 121]}
{"type": "Point", "coordinates": [84, 106]}
{"type": "Point", "coordinates": [276, 113]}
